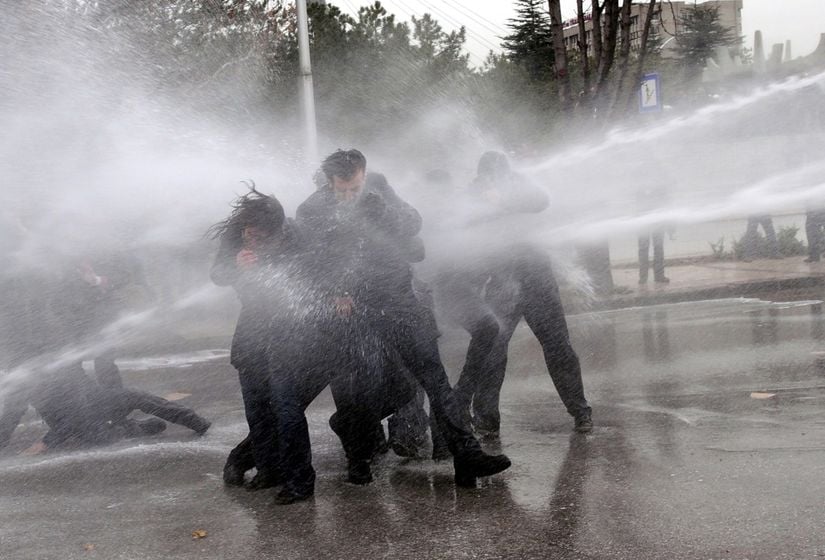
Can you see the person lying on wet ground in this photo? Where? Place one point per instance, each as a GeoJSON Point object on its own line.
{"type": "Point", "coordinates": [80, 412]}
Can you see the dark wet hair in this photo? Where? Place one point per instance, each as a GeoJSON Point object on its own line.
{"type": "Point", "coordinates": [493, 164]}
{"type": "Point", "coordinates": [252, 209]}
{"type": "Point", "coordinates": [343, 164]}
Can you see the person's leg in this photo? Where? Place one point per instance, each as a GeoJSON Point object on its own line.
{"type": "Point", "coordinates": [408, 426]}
{"type": "Point", "coordinates": [257, 401]}
{"type": "Point", "coordinates": [813, 233]}
{"type": "Point", "coordinates": [544, 314]}
{"type": "Point", "coordinates": [419, 352]}
{"type": "Point", "coordinates": [658, 236]}
{"type": "Point", "coordinates": [160, 407]}
{"type": "Point", "coordinates": [295, 384]}
{"type": "Point", "coordinates": [644, 257]}
{"type": "Point", "coordinates": [240, 460]}
{"type": "Point", "coordinates": [486, 396]}
{"type": "Point", "coordinates": [749, 239]}
{"type": "Point", "coordinates": [770, 235]}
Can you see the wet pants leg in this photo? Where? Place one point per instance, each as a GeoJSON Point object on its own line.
{"type": "Point", "coordinates": [257, 401]}
{"type": "Point", "coordinates": [292, 392]}
{"type": "Point", "coordinates": [126, 400]}
{"type": "Point", "coordinates": [644, 256]}
{"type": "Point", "coordinates": [419, 353]}
{"type": "Point", "coordinates": [544, 314]}
{"type": "Point", "coordinates": [658, 237]}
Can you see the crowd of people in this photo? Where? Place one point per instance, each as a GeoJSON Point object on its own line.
{"type": "Point", "coordinates": [331, 298]}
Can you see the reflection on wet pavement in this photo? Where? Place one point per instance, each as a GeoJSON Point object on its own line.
{"type": "Point", "coordinates": [708, 444]}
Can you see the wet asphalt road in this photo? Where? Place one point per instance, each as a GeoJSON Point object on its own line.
{"type": "Point", "coordinates": [685, 461]}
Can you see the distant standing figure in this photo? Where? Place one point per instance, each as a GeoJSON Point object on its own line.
{"type": "Point", "coordinates": [814, 229]}
{"type": "Point", "coordinates": [749, 251]}
{"type": "Point", "coordinates": [650, 199]}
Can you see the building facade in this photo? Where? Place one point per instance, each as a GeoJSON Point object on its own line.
{"type": "Point", "coordinates": [665, 24]}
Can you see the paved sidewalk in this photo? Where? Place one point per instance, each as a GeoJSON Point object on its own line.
{"type": "Point", "coordinates": [717, 279]}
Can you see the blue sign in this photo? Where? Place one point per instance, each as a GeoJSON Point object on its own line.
{"type": "Point", "coordinates": [650, 93]}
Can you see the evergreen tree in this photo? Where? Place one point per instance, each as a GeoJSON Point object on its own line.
{"type": "Point", "coordinates": [700, 34]}
{"type": "Point", "coordinates": [530, 44]}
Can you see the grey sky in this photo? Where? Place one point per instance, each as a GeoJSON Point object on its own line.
{"type": "Point", "coordinates": [801, 21]}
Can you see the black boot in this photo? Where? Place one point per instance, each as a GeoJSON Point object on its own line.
{"type": "Point", "coordinates": [475, 464]}
{"type": "Point", "coordinates": [263, 479]}
{"type": "Point", "coordinates": [359, 472]}
{"type": "Point", "coordinates": [232, 475]}
{"type": "Point", "coordinates": [200, 425]}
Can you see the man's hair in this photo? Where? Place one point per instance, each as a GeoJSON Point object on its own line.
{"type": "Point", "coordinates": [343, 164]}
{"type": "Point", "coordinates": [254, 209]}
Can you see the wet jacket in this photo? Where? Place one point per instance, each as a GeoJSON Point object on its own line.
{"type": "Point", "coordinates": [363, 251]}
{"type": "Point", "coordinates": [255, 290]}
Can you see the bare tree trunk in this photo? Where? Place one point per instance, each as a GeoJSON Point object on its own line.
{"type": "Point", "coordinates": [583, 44]}
{"type": "Point", "coordinates": [611, 28]}
{"type": "Point", "coordinates": [640, 63]}
{"type": "Point", "coordinates": [624, 55]}
{"type": "Point", "coordinates": [624, 51]}
{"type": "Point", "coordinates": [597, 34]}
{"type": "Point", "coordinates": [560, 53]}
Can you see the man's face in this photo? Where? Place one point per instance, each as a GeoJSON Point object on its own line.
{"type": "Point", "coordinates": [348, 190]}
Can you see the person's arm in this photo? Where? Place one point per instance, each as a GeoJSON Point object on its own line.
{"type": "Point", "coordinates": [396, 216]}
{"type": "Point", "coordinates": [14, 407]}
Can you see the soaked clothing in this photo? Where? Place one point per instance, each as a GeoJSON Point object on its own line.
{"type": "Point", "coordinates": [523, 286]}
{"type": "Point", "coordinates": [359, 259]}
{"type": "Point", "coordinates": [78, 411]}
{"type": "Point", "coordinates": [488, 291]}
{"type": "Point", "coordinates": [251, 340]}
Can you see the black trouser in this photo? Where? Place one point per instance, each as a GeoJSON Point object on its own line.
{"type": "Point", "coordinates": [117, 404]}
{"type": "Point", "coordinates": [749, 249]}
{"type": "Point", "coordinates": [257, 402]}
{"type": "Point", "coordinates": [814, 225]}
{"type": "Point", "coordinates": [529, 290]}
{"type": "Point", "coordinates": [362, 400]}
{"type": "Point", "coordinates": [658, 237]}
{"type": "Point", "coordinates": [241, 456]}
{"type": "Point", "coordinates": [298, 380]}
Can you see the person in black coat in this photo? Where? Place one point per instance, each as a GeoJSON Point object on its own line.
{"type": "Point", "coordinates": [79, 411]}
{"type": "Point", "coordinates": [491, 286]}
{"type": "Point", "coordinates": [254, 238]}
{"type": "Point", "coordinates": [360, 229]}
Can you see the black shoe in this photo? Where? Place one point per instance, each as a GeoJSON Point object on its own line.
{"type": "Point", "coordinates": [662, 280]}
{"type": "Point", "coordinates": [286, 497]}
{"type": "Point", "coordinates": [358, 472]}
{"type": "Point", "coordinates": [200, 426]}
{"type": "Point", "coordinates": [232, 475]}
{"type": "Point", "coordinates": [476, 464]}
{"type": "Point", "coordinates": [811, 260]}
{"type": "Point", "coordinates": [584, 424]}
{"type": "Point", "coordinates": [262, 480]}
{"type": "Point", "coordinates": [405, 440]}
